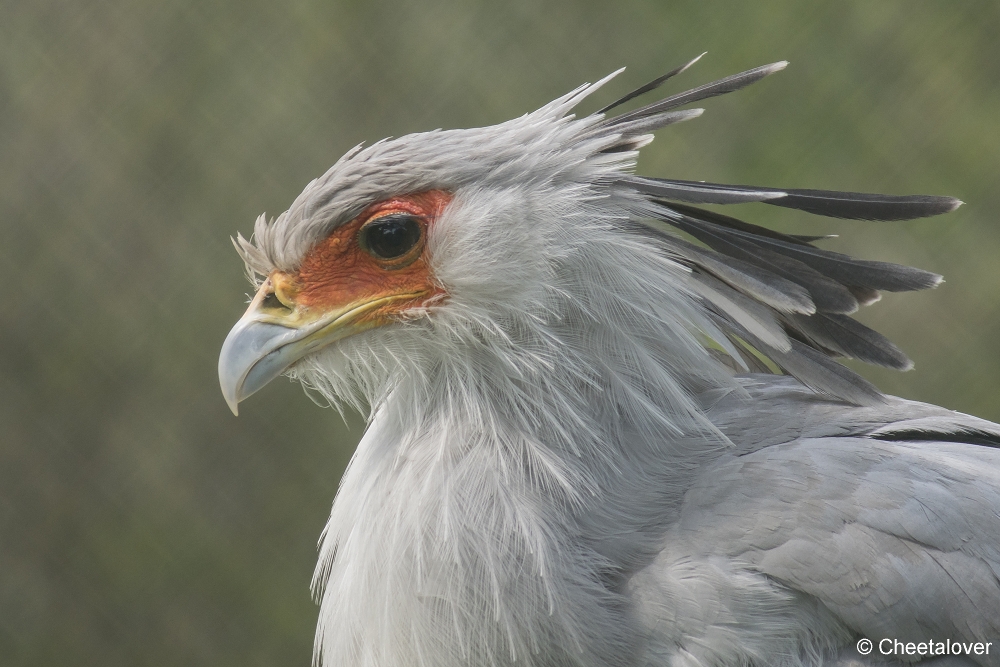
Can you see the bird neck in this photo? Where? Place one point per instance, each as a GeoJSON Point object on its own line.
{"type": "Point", "coordinates": [475, 489]}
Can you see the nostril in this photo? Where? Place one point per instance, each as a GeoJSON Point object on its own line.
{"type": "Point", "coordinates": [272, 301]}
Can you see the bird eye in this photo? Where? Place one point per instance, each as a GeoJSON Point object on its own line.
{"type": "Point", "coordinates": [391, 237]}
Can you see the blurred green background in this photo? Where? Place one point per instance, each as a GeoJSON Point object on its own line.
{"type": "Point", "coordinates": [140, 522]}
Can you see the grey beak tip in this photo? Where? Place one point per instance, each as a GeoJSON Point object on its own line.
{"type": "Point", "coordinates": [251, 357]}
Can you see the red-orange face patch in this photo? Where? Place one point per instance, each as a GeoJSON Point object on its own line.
{"type": "Point", "coordinates": [338, 271]}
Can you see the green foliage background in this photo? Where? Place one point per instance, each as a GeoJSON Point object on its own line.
{"type": "Point", "coordinates": [140, 522]}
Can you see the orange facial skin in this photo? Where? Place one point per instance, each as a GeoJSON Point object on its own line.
{"type": "Point", "coordinates": [337, 271]}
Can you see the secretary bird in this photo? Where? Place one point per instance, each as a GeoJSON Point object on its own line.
{"type": "Point", "coordinates": [606, 424]}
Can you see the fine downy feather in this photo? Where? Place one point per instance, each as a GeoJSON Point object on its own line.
{"type": "Point", "coordinates": [534, 432]}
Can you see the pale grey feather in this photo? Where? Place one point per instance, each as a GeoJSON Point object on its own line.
{"type": "Point", "coordinates": [896, 536]}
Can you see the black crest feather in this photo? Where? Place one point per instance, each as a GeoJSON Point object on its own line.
{"type": "Point", "coordinates": [774, 293]}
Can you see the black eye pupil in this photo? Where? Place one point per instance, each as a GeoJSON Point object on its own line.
{"type": "Point", "coordinates": [391, 236]}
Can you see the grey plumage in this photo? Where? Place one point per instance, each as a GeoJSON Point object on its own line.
{"type": "Point", "coordinates": [577, 453]}
{"type": "Point", "coordinates": [893, 536]}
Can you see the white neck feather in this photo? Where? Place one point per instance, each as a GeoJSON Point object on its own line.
{"type": "Point", "coordinates": [495, 469]}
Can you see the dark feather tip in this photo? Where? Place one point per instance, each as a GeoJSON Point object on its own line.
{"type": "Point", "coordinates": [863, 206]}
{"type": "Point", "coordinates": [652, 85]}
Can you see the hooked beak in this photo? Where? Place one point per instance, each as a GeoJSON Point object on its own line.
{"type": "Point", "coordinates": [275, 332]}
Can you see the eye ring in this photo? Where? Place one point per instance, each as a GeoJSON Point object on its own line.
{"type": "Point", "coordinates": [395, 240]}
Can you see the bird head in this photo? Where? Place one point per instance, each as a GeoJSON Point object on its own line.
{"type": "Point", "coordinates": [426, 245]}
{"type": "Point", "coordinates": [528, 258]}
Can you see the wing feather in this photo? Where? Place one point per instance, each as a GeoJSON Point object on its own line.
{"type": "Point", "coordinates": [888, 515]}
